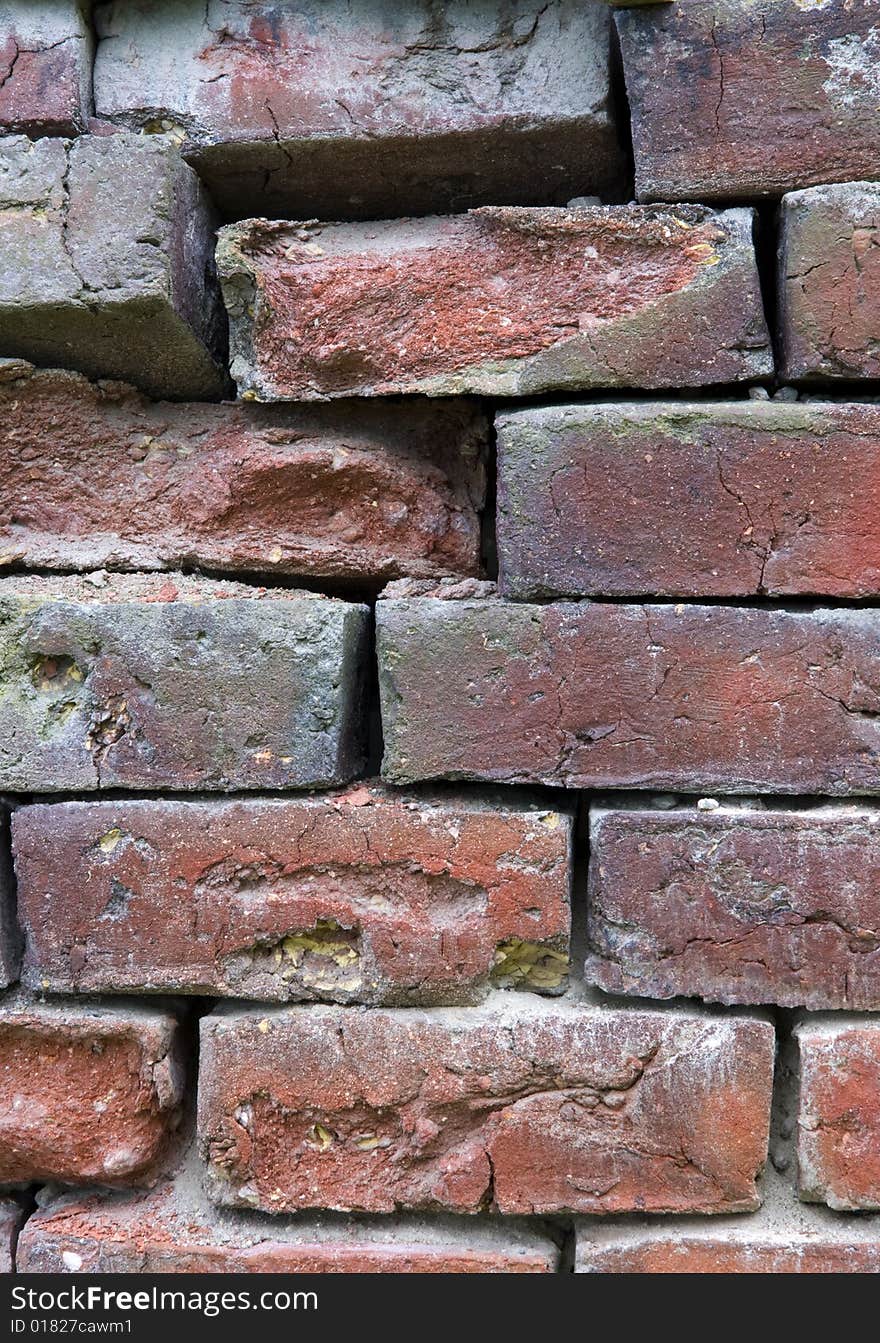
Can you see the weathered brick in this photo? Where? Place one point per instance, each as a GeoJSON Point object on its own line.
{"type": "Point", "coordinates": [106, 262]}
{"type": "Point", "coordinates": [734, 99]}
{"type": "Point", "coordinates": [839, 1111]}
{"type": "Point", "coordinates": [173, 1229]}
{"type": "Point", "coordinates": [584, 695]}
{"type": "Point", "coordinates": [11, 1218]}
{"type": "Point", "coordinates": [829, 281]}
{"type": "Point", "coordinates": [783, 1237]}
{"type": "Point", "coordinates": [502, 301]}
{"type": "Point", "coordinates": [87, 1093]}
{"type": "Point", "coordinates": [737, 905]}
{"type": "Point", "coordinates": [94, 474]}
{"type": "Point", "coordinates": [45, 67]}
{"type": "Point", "coordinates": [521, 1105]}
{"type": "Point", "coordinates": [432, 109]}
{"type": "Point", "coordinates": [364, 896]}
{"type": "Point", "coordinates": [179, 683]}
{"type": "Point", "coordinates": [732, 499]}
{"type": "Point", "coordinates": [10, 939]}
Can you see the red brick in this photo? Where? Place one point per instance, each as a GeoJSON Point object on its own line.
{"type": "Point", "coordinates": [145, 681]}
{"type": "Point", "coordinates": [87, 1093]}
{"type": "Point", "coordinates": [737, 905]}
{"type": "Point", "coordinates": [365, 896]}
{"type": "Point", "coordinates": [11, 1218]}
{"type": "Point", "coordinates": [10, 940]}
{"type": "Point", "coordinates": [501, 301]}
{"type": "Point", "coordinates": [521, 1105]}
{"type": "Point", "coordinates": [733, 99]}
{"type": "Point", "coordinates": [829, 282]}
{"type": "Point", "coordinates": [45, 67]}
{"type": "Point", "coordinates": [732, 499]}
{"type": "Point", "coordinates": [173, 1229]}
{"type": "Point", "coordinates": [433, 109]}
{"type": "Point", "coordinates": [94, 474]}
{"type": "Point", "coordinates": [839, 1112]}
{"type": "Point", "coordinates": [698, 698]}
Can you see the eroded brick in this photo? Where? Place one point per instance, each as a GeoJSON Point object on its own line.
{"type": "Point", "coordinates": [10, 939]}
{"type": "Point", "coordinates": [356, 110]}
{"type": "Point", "coordinates": [501, 301]}
{"type": "Point", "coordinates": [11, 1218]}
{"type": "Point", "coordinates": [737, 904]}
{"type": "Point", "coordinates": [731, 498]}
{"type": "Point", "coordinates": [94, 474]}
{"type": "Point", "coordinates": [45, 67]}
{"type": "Point", "coordinates": [694, 698]}
{"type": "Point", "coordinates": [363, 896]}
{"type": "Point", "coordinates": [89, 1093]}
{"type": "Point", "coordinates": [178, 683]}
{"type": "Point", "coordinates": [106, 262]}
{"type": "Point", "coordinates": [829, 282]}
{"type": "Point", "coordinates": [521, 1105]}
{"type": "Point", "coordinates": [839, 1111]}
{"type": "Point", "coordinates": [733, 99]}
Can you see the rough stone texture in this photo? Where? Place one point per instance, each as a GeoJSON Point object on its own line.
{"type": "Point", "coordinates": [839, 1111]}
{"type": "Point", "coordinates": [87, 1093]}
{"type": "Point", "coordinates": [173, 1229]}
{"type": "Point", "coordinates": [142, 681]}
{"type": "Point", "coordinates": [45, 67]}
{"type": "Point", "coordinates": [584, 695]}
{"type": "Point", "coordinates": [733, 99]}
{"type": "Point", "coordinates": [502, 301]}
{"type": "Point", "coordinates": [737, 905]}
{"type": "Point", "coordinates": [829, 280]}
{"type": "Point", "coordinates": [11, 1217]}
{"type": "Point", "coordinates": [93, 474]}
{"type": "Point", "coordinates": [10, 940]}
{"type": "Point", "coordinates": [783, 1237]}
{"type": "Point", "coordinates": [689, 499]}
{"type": "Point", "coordinates": [369, 108]}
{"type": "Point", "coordinates": [364, 896]}
{"type": "Point", "coordinates": [519, 1105]}
{"type": "Point", "coordinates": [106, 265]}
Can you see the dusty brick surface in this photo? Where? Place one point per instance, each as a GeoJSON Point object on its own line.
{"type": "Point", "coordinates": [839, 1111]}
{"type": "Point", "coordinates": [151, 681]}
{"type": "Point", "coordinates": [732, 499]}
{"type": "Point", "coordinates": [90, 1094]}
{"type": "Point", "coordinates": [734, 99]}
{"type": "Point", "coordinates": [106, 262]}
{"type": "Point", "coordinates": [94, 474]}
{"type": "Point", "coordinates": [10, 940]}
{"type": "Point", "coordinates": [45, 67]}
{"type": "Point", "coordinates": [694, 698]}
{"type": "Point", "coordinates": [523, 1105]}
{"type": "Point", "coordinates": [362, 896]}
{"type": "Point", "coordinates": [501, 301]}
{"type": "Point", "coordinates": [11, 1217]}
{"type": "Point", "coordinates": [737, 905]}
{"type": "Point", "coordinates": [357, 110]}
{"type": "Point", "coordinates": [829, 281]}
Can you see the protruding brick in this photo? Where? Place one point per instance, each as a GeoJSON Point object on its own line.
{"type": "Point", "coordinates": [829, 281]}
{"type": "Point", "coordinates": [87, 1093]}
{"type": "Point", "coordinates": [521, 1105]}
{"type": "Point", "coordinates": [731, 499]}
{"type": "Point", "coordinates": [11, 1218]}
{"type": "Point", "coordinates": [106, 262]}
{"type": "Point", "coordinates": [502, 301]}
{"type": "Point", "coordinates": [737, 904]}
{"type": "Point", "coordinates": [733, 99]}
{"type": "Point", "coordinates": [141, 681]}
{"type": "Point", "coordinates": [364, 896]}
{"type": "Point", "coordinates": [94, 474]}
{"type": "Point", "coordinates": [694, 698]}
{"type": "Point", "coordinates": [356, 110]}
{"type": "Point", "coordinates": [783, 1237]}
{"type": "Point", "coordinates": [10, 940]}
{"type": "Point", "coordinates": [173, 1229]}
{"type": "Point", "coordinates": [839, 1111]}
{"type": "Point", "coordinates": [45, 67]}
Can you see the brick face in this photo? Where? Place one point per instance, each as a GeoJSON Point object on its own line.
{"type": "Point", "coordinates": [11, 1217]}
{"type": "Point", "coordinates": [839, 1112]}
{"type": "Point", "coordinates": [363, 896]}
{"type": "Point", "coordinates": [45, 67]}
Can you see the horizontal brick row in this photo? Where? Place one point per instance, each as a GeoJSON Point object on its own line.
{"type": "Point", "coordinates": [586, 695]}
{"type": "Point", "coordinates": [92, 474]}
{"type": "Point", "coordinates": [142, 681]}
{"type": "Point", "coordinates": [364, 896]}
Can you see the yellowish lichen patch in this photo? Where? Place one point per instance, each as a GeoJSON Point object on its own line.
{"type": "Point", "coordinates": [107, 843]}
{"type": "Point", "coordinates": [529, 965]}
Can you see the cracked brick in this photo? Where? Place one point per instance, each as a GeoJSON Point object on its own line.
{"type": "Point", "coordinates": [45, 67]}
{"type": "Point", "coordinates": [838, 1115]}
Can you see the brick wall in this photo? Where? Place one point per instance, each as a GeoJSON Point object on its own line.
{"type": "Point", "coordinates": [439, 645]}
